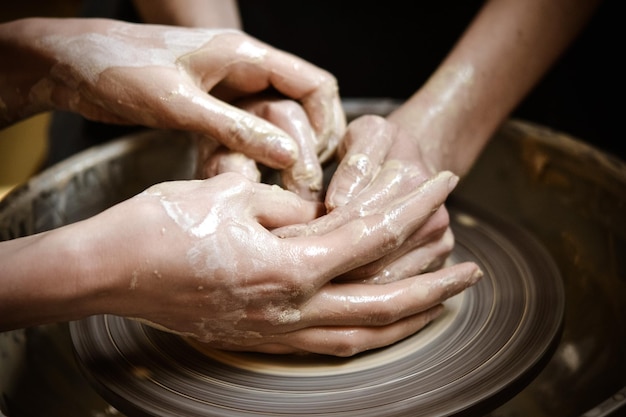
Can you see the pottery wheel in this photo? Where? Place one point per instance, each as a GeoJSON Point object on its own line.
{"type": "Point", "coordinates": [487, 346]}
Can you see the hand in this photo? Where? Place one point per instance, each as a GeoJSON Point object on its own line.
{"type": "Point", "coordinates": [304, 177]}
{"type": "Point", "coordinates": [230, 282]}
{"type": "Point", "coordinates": [167, 77]}
{"type": "Point", "coordinates": [198, 258]}
{"type": "Point", "coordinates": [379, 163]}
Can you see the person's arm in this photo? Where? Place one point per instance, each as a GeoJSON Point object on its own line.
{"type": "Point", "coordinates": [190, 13]}
{"type": "Point", "coordinates": [198, 258]}
{"type": "Point", "coordinates": [506, 50]}
{"type": "Point", "coordinates": [164, 77]}
{"type": "Point", "coordinates": [447, 122]}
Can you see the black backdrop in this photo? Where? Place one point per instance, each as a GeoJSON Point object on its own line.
{"type": "Point", "coordinates": [386, 48]}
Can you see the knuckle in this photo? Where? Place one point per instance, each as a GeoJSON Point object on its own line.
{"type": "Point", "coordinates": [328, 81]}
{"type": "Point", "coordinates": [345, 347]}
{"type": "Point", "coordinates": [383, 313]}
{"type": "Point", "coordinates": [371, 122]}
{"type": "Point", "coordinates": [391, 239]}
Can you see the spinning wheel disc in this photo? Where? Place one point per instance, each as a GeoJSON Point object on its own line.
{"type": "Point", "coordinates": [491, 338]}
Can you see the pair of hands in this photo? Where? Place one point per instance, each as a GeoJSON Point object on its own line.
{"type": "Point", "coordinates": [264, 269]}
{"type": "Point", "coordinates": [235, 263]}
{"type": "Point", "coordinates": [221, 261]}
{"type": "Point", "coordinates": [379, 179]}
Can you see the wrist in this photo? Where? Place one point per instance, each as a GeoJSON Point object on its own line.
{"type": "Point", "coordinates": [447, 120]}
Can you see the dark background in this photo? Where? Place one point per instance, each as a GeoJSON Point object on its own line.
{"type": "Point", "coordinates": [389, 48]}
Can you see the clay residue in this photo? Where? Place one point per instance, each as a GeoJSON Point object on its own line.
{"type": "Point", "coordinates": [279, 315]}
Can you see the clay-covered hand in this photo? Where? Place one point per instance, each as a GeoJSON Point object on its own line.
{"type": "Point", "coordinates": [165, 77]}
{"type": "Point", "coordinates": [198, 258]}
{"type": "Point", "coordinates": [214, 270]}
{"type": "Point", "coordinates": [304, 177]}
{"type": "Point", "coordinates": [378, 163]}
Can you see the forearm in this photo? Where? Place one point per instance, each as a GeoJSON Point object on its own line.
{"type": "Point", "coordinates": [506, 50]}
{"type": "Point", "coordinates": [26, 64]}
{"type": "Point", "coordinates": [190, 13]}
{"type": "Point", "coordinates": [47, 278]}
{"type": "Point", "coordinates": [20, 68]}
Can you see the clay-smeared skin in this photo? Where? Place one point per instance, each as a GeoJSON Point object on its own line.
{"type": "Point", "coordinates": [159, 76]}
{"type": "Point", "coordinates": [503, 53]}
{"type": "Point", "coordinates": [222, 160]}
{"type": "Point", "coordinates": [241, 287]}
{"type": "Point", "coordinates": [304, 177]}
{"type": "Point", "coordinates": [209, 267]}
{"type": "Point", "coordinates": [446, 123]}
{"type": "Point", "coordinates": [380, 163]}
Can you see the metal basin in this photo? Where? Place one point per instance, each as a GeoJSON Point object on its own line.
{"type": "Point", "coordinates": [569, 195]}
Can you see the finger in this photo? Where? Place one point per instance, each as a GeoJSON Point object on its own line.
{"type": "Point", "coordinates": [362, 151]}
{"type": "Point", "coordinates": [368, 238]}
{"type": "Point", "coordinates": [234, 128]}
{"type": "Point", "coordinates": [393, 180]}
{"type": "Point", "coordinates": [259, 66]}
{"type": "Point", "coordinates": [273, 207]}
{"type": "Point", "coordinates": [352, 304]}
{"type": "Point", "coordinates": [420, 260]}
{"type": "Point", "coordinates": [214, 159]}
{"type": "Point", "coordinates": [336, 132]}
{"type": "Point", "coordinates": [305, 176]}
{"type": "Point", "coordinates": [318, 92]}
{"type": "Point", "coordinates": [205, 147]}
{"type": "Point", "coordinates": [224, 160]}
{"type": "Point", "coordinates": [334, 125]}
{"type": "Point", "coordinates": [345, 341]}
{"type": "Point", "coordinates": [350, 318]}
{"type": "Point", "coordinates": [429, 244]}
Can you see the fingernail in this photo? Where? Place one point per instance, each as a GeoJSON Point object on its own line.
{"type": "Point", "coordinates": [288, 147]}
{"type": "Point", "coordinates": [452, 182]}
{"type": "Point", "coordinates": [336, 200]}
{"type": "Point", "coordinates": [280, 152]}
{"type": "Point", "coordinates": [476, 275]}
{"type": "Point", "coordinates": [441, 177]}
